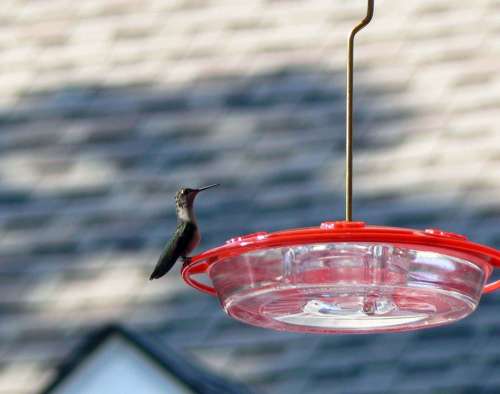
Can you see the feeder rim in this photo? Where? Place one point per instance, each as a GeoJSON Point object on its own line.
{"type": "Point", "coordinates": [436, 240]}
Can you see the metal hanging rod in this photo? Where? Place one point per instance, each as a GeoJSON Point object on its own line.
{"type": "Point", "coordinates": [349, 108]}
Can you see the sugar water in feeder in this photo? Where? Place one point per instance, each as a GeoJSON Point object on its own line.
{"type": "Point", "coordinates": [346, 277]}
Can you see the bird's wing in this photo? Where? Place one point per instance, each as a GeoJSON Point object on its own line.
{"type": "Point", "coordinates": [178, 244]}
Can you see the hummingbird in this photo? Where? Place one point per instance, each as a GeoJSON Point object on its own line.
{"type": "Point", "coordinates": [186, 236]}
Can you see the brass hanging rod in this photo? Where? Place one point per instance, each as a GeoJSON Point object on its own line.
{"type": "Point", "coordinates": [349, 108]}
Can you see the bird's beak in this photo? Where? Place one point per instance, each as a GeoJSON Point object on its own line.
{"type": "Point", "coordinates": [207, 187]}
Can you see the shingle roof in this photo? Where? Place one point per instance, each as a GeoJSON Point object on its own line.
{"type": "Point", "coordinates": [108, 107]}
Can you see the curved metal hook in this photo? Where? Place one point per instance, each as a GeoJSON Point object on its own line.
{"type": "Point", "coordinates": [349, 109]}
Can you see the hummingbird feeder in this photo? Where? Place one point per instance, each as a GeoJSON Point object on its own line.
{"type": "Point", "coordinates": [346, 276]}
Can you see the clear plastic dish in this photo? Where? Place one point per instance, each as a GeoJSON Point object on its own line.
{"type": "Point", "coordinates": [347, 287]}
{"type": "Point", "coordinates": [346, 277]}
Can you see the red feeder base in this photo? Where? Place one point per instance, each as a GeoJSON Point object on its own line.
{"type": "Point", "coordinates": [346, 277]}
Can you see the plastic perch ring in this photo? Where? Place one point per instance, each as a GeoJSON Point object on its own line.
{"type": "Point", "coordinates": [346, 277]}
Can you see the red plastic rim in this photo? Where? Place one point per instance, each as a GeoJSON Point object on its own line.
{"type": "Point", "coordinates": [431, 240]}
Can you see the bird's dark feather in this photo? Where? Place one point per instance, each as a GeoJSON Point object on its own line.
{"type": "Point", "coordinates": [175, 248]}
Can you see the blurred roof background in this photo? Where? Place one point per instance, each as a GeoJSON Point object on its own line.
{"type": "Point", "coordinates": [107, 107]}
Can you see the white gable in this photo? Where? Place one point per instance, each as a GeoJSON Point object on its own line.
{"type": "Point", "coordinates": [117, 367]}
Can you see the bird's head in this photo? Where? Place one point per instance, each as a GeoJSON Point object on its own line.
{"type": "Point", "coordinates": [185, 197]}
